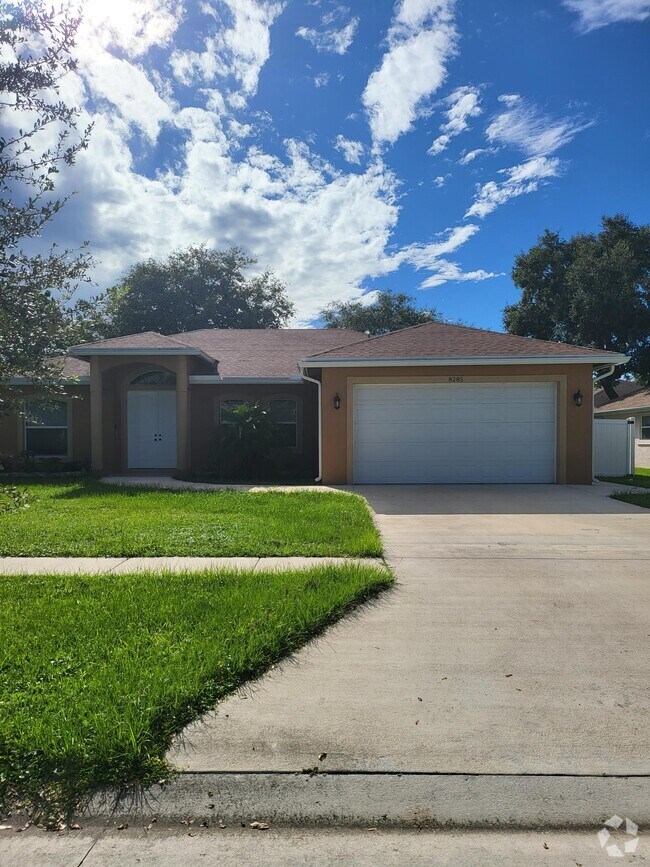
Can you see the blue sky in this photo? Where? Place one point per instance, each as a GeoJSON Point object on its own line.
{"type": "Point", "coordinates": [417, 145]}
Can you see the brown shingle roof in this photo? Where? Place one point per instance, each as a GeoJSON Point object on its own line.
{"type": "Point", "coordinates": [631, 396]}
{"type": "Point", "coordinates": [271, 352]}
{"type": "Point", "coordinates": [70, 367]}
{"type": "Point", "coordinates": [144, 340]}
{"type": "Point", "coordinates": [441, 340]}
{"type": "Point", "coordinates": [239, 352]}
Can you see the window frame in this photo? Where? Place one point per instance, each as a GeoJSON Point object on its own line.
{"type": "Point", "coordinates": [220, 400]}
{"type": "Point", "coordinates": [153, 386]}
{"type": "Point", "coordinates": [644, 427]}
{"type": "Point", "coordinates": [67, 427]}
{"type": "Point", "coordinates": [295, 424]}
{"type": "Point", "coordinates": [265, 400]}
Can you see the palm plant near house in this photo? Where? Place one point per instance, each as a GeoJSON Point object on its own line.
{"type": "Point", "coordinates": [249, 443]}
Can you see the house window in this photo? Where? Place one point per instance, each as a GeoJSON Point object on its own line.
{"type": "Point", "coordinates": [46, 429]}
{"type": "Point", "coordinates": [155, 377]}
{"type": "Point", "coordinates": [285, 414]}
{"type": "Point", "coordinates": [645, 427]}
{"type": "Point", "coordinates": [225, 410]}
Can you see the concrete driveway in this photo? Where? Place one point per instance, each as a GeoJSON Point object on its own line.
{"type": "Point", "coordinates": [516, 642]}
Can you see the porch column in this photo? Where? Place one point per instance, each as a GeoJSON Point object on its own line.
{"type": "Point", "coordinates": [96, 415]}
{"type": "Point", "coordinates": [182, 415]}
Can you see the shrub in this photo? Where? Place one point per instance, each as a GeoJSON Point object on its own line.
{"type": "Point", "coordinates": [248, 445]}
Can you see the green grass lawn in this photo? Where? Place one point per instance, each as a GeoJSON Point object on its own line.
{"type": "Point", "coordinates": [632, 498]}
{"type": "Point", "coordinates": [97, 673]}
{"type": "Point", "coordinates": [640, 479]}
{"type": "Point", "coordinates": [83, 517]}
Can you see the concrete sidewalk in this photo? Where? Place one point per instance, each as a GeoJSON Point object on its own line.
{"type": "Point", "coordinates": [180, 846]}
{"type": "Point", "coordinates": [125, 565]}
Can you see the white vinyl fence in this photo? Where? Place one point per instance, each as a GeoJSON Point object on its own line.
{"type": "Point", "coordinates": [613, 446]}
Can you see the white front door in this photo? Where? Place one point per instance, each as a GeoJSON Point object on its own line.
{"type": "Point", "coordinates": [151, 422]}
{"type": "Point", "coordinates": [455, 433]}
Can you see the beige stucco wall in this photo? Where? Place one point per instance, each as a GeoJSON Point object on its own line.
{"type": "Point", "coordinates": [642, 447]}
{"type": "Point", "coordinates": [574, 444]}
{"type": "Point", "coordinates": [12, 431]}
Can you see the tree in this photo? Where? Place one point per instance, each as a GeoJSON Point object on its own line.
{"type": "Point", "coordinates": [591, 290]}
{"type": "Point", "coordinates": [390, 311]}
{"type": "Point", "coordinates": [196, 288]}
{"type": "Point", "coordinates": [39, 135]}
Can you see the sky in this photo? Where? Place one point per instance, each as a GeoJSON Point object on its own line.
{"type": "Point", "coordinates": [416, 145]}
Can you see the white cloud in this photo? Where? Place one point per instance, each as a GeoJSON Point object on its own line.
{"type": "Point", "coordinates": [322, 229]}
{"type": "Point", "coordinates": [322, 79]}
{"type": "Point", "coordinates": [422, 255]}
{"type": "Point", "coordinates": [464, 103]}
{"type": "Point", "coordinates": [127, 87]}
{"type": "Point", "coordinates": [440, 180]}
{"type": "Point", "coordinates": [523, 126]}
{"type": "Point", "coordinates": [352, 150]}
{"type": "Point", "coordinates": [238, 51]}
{"type": "Point", "coordinates": [133, 25]}
{"type": "Point", "coordinates": [421, 39]}
{"type": "Point", "coordinates": [333, 40]}
{"type": "Point", "coordinates": [519, 180]}
{"type": "Point", "coordinates": [430, 257]}
{"type": "Point", "coordinates": [439, 145]}
{"type": "Point", "coordinates": [598, 13]}
{"type": "Point", "coordinates": [470, 156]}
{"type": "Point", "coordinates": [445, 271]}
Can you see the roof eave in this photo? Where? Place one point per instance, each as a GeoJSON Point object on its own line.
{"type": "Point", "coordinates": [628, 409]}
{"type": "Point", "coordinates": [70, 380]}
{"type": "Point", "coordinates": [424, 361]}
{"type": "Point", "coordinates": [88, 351]}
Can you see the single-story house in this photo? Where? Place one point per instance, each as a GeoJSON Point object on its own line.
{"type": "Point", "coordinates": [435, 403]}
{"type": "Point", "coordinates": [632, 401]}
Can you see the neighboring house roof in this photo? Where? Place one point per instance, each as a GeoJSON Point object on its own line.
{"type": "Point", "coordinates": [632, 396]}
{"type": "Point", "coordinates": [240, 353]}
{"type": "Point", "coordinates": [69, 368]}
{"type": "Point", "coordinates": [439, 342]}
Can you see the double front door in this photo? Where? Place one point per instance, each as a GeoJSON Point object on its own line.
{"type": "Point", "coordinates": [151, 421]}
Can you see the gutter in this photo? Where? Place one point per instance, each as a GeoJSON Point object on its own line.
{"type": "Point", "coordinates": [451, 361]}
{"type": "Point", "coordinates": [319, 386]}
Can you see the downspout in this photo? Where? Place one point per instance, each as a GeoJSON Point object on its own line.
{"type": "Point", "coordinates": [608, 371]}
{"type": "Point", "coordinates": [318, 384]}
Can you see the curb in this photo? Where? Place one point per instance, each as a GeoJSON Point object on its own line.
{"type": "Point", "coordinates": [512, 801]}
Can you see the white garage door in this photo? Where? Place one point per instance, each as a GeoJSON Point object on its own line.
{"type": "Point", "coordinates": [454, 433]}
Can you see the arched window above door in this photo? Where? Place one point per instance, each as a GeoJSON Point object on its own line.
{"type": "Point", "coordinates": [155, 377]}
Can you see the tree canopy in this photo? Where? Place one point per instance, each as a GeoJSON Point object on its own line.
{"type": "Point", "coordinates": [390, 311]}
{"type": "Point", "coordinates": [193, 288]}
{"type": "Point", "coordinates": [592, 289]}
{"type": "Point", "coordinates": [39, 135]}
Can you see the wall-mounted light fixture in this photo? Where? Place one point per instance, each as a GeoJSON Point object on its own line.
{"type": "Point", "coordinates": [337, 401]}
{"type": "Point", "coordinates": [577, 398]}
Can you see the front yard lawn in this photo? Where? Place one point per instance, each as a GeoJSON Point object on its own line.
{"type": "Point", "coordinates": [83, 517]}
{"type": "Point", "coordinates": [632, 498]}
{"type": "Point", "coordinates": [640, 479]}
{"type": "Point", "coordinates": [97, 673]}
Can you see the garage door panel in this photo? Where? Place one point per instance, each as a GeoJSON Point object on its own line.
{"type": "Point", "coordinates": [457, 433]}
